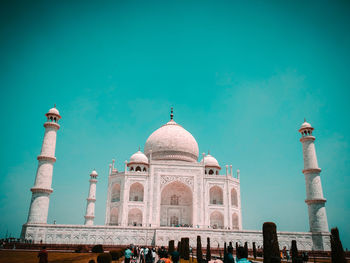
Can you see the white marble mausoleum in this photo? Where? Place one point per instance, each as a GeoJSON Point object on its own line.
{"type": "Point", "coordinates": [168, 192]}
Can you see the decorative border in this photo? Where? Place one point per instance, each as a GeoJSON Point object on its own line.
{"type": "Point", "coordinates": [166, 179]}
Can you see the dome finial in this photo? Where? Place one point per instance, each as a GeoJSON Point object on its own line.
{"type": "Point", "coordinates": [54, 105]}
{"type": "Point", "coordinates": [208, 152]}
{"type": "Point", "coordinates": [171, 113]}
{"type": "Point", "coordinates": [139, 147]}
{"type": "Point", "coordinates": [304, 119]}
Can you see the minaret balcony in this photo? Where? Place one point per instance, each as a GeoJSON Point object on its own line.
{"type": "Point", "coordinates": [46, 158]}
{"type": "Point", "coordinates": [316, 201]}
{"type": "Point", "coordinates": [307, 138]}
{"type": "Point", "coordinates": [41, 190]}
{"type": "Point", "coordinates": [52, 124]}
{"type": "Point", "coordinates": [311, 170]}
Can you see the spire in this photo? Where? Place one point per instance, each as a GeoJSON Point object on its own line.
{"type": "Point", "coordinates": [171, 114]}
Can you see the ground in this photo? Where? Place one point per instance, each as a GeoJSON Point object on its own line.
{"type": "Point", "coordinates": [11, 256]}
{"type": "Point", "coordinates": [7, 256]}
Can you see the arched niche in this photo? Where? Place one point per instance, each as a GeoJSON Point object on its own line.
{"type": "Point", "coordinates": [216, 219]}
{"type": "Point", "coordinates": [114, 216]}
{"type": "Point", "coordinates": [176, 205]}
{"type": "Point", "coordinates": [216, 195]}
{"type": "Point", "coordinates": [115, 193]}
{"type": "Point", "coordinates": [235, 221]}
{"type": "Point", "coordinates": [234, 197]}
{"type": "Point", "coordinates": [136, 192]}
{"type": "Point", "coordinates": [135, 217]}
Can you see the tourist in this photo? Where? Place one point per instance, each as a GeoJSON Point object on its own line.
{"type": "Point", "coordinates": [284, 252]}
{"type": "Point", "coordinates": [241, 255]}
{"type": "Point", "coordinates": [175, 257]}
{"type": "Point", "coordinates": [42, 255]}
{"type": "Point", "coordinates": [229, 257]}
{"type": "Point", "coordinates": [149, 256]}
{"type": "Point", "coordinates": [146, 251]}
{"type": "Point", "coordinates": [287, 255]}
{"type": "Point", "coordinates": [128, 255]}
{"type": "Point", "coordinates": [165, 258]}
{"type": "Point", "coordinates": [142, 255]}
{"type": "Point", "coordinates": [305, 257]}
{"type": "Point", "coordinates": [154, 254]}
{"type": "Point", "coordinates": [162, 252]}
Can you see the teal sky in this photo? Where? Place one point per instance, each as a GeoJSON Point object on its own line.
{"type": "Point", "coordinates": [241, 77]}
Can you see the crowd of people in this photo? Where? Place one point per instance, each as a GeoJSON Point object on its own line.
{"type": "Point", "coordinates": [134, 254]}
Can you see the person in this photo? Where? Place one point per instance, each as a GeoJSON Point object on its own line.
{"type": "Point", "coordinates": [241, 255]}
{"type": "Point", "coordinates": [43, 255]}
{"type": "Point", "coordinates": [162, 252]}
{"type": "Point", "coordinates": [146, 251]}
{"type": "Point", "coordinates": [229, 256]}
{"type": "Point", "coordinates": [149, 257]}
{"type": "Point", "coordinates": [175, 257]}
{"type": "Point", "coordinates": [136, 252]}
{"type": "Point", "coordinates": [165, 257]}
{"type": "Point", "coordinates": [305, 257]}
{"type": "Point", "coordinates": [142, 255]}
{"type": "Point", "coordinates": [287, 255]}
{"type": "Point", "coordinates": [153, 255]}
{"type": "Point", "coordinates": [128, 255]}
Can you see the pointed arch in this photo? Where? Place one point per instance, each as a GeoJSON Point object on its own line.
{"type": "Point", "coordinates": [216, 195]}
{"type": "Point", "coordinates": [115, 193]}
{"type": "Point", "coordinates": [216, 219]}
{"type": "Point", "coordinates": [135, 217]}
{"type": "Point", "coordinates": [235, 221]}
{"type": "Point", "coordinates": [176, 205]}
{"type": "Point", "coordinates": [234, 197]}
{"type": "Point", "coordinates": [114, 216]}
{"type": "Point", "coordinates": [136, 192]}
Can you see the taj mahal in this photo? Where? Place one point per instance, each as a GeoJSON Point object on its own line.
{"type": "Point", "coordinates": [167, 192]}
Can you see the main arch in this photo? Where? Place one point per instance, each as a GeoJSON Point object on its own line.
{"type": "Point", "coordinates": [176, 206]}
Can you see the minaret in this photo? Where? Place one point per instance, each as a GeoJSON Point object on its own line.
{"type": "Point", "coordinates": [314, 194]}
{"type": "Point", "coordinates": [90, 205]}
{"type": "Point", "coordinates": [41, 191]}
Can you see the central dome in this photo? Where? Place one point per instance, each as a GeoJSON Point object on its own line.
{"type": "Point", "coordinates": [172, 142]}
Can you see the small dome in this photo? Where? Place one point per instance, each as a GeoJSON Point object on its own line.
{"type": "Point", "coordinates": [94, 173]}
{"type": "Point", "coordinates": [54, 111]}
{"type": "Point", "coordinates": [210, 161]}
{"type": "Point", "coordinates": [138, 157]}
{"type": "Point", "coordinates": [305, 125]}
{"type": "Point", "coordinates": [172, 142]}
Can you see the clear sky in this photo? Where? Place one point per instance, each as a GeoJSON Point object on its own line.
{"type": "Point", "coordinates": [241, 78]}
